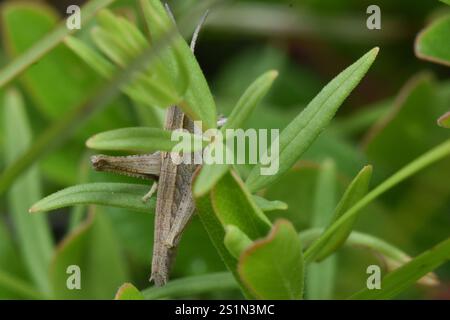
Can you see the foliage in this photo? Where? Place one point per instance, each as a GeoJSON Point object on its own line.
{"type": "Point", "coordinates": [256, 236]}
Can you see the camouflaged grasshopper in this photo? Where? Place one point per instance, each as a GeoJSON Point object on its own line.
{"type": "Point", "coordinates": [174, 203]}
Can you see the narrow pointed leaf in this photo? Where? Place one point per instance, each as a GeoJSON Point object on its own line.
{"type": "Point", "coordinates": [432, 156]}
{"type": "Point", "coordinates": [405, 276]}
{"type": "Point", "coordinates": [250, 100]}
{"type": "Point", "coordinates": [272, 268]}
{"type": "Point", "coordinates": [121, 195]}
{"type": "Point", "coordinates": [391, 256]}
{"type": "Point", "coordinates": [355, 192]}
{"type": "Point", "coordinates": [50, 41]}
{"type": "Point", "coordinates": [300, 133]}
{"type": "Point", "coordinates": [320, 281]}
{"type": "Point", "coordinates": [199, 103]}
{"type": "Point", "coordinates": [33, 233]}
{"type": "Point", "coordinates": [94, 249]}
{"type": "Point", "coordinates": [213, 282]}
{"type": "Point", "coordinates": [211, 173]}
{"type": "Point", "coordinates": [143, 139]}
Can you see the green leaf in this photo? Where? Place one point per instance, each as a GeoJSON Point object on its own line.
{"type": "Point", "coordinates": [272, 268]}
{"type": "Point", "coordinates": [250, 100]}
{"type": "Point", "coordinates": [234, 205]}
{"type": "Point", "coordinates": [446, 1]}
{"type": "Point", "coordinates": [403, 277]}
{"type": "Point", "coordinates": [65, 126]}
{"type": "Point", "coordinates": [216, 232]}
{"type": "Point", "coordinates": [14, 280]}
{"type": "Point", "coordinates": [33, 233]}
{"type": "Point", "coordinates": [355, 192]}
{"type": "Point", "coordinates": [95, 250]}
{"type": "Point", "coordinates": [236, 241]}
{"type": "Point", "coordinates": [128, 292]}
{"type": "Point", "coordinates": [433, 43]}
{"type": "Point", "coordinates": [320, 281]}
{"type": "Point", "coordinates": [300, 133]}
{"type": "Point", "coordinates": [267, 205]}
{"type": "Point", "coordinates": [434, 155]}
{"type": "Point", "coordinates": [50, 41]}
{"type": "Point", "coordinates": [17, 287]}
{"type": "Point", "coordinates": [106, 69]}
{"type": "Point", "coordinates": [121, 195]}
{"type": "Point", "coordinates": [145, 140]}
{"type": "Point", "coordinates": [444, 121]}
{"type": "Point", "coordinates": [391, 256]}
{"type": "Point", "coordinates": [199, 103]}
{"type": "Point", "coordinates": [189, 286]}
{"type": "Point", "coordinates": [210, 174]}
{"type": "Point", "coordinates": [59, 69]}
{"type": "Point", "coordinates": [388, 143]}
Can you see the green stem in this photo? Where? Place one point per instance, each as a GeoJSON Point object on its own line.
{"type": "Point", "coordinates": [48, 43]}
{"type": "Point", "coordinates": [193, 285]}
{"type": "Point", "coordinates": [434, 155]}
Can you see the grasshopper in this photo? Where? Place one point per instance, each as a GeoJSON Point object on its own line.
{"type": "Point", "coordinates": [174, 203]}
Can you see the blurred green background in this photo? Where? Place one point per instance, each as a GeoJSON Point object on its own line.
{"type": "Point", "coordinates": [388, 121]}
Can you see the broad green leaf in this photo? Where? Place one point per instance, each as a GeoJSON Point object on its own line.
{"type": "Point", "coordinates": [121, 195]}
{"type": "Point", "coordinates": [267, 205]}
{"type": "Point", "coordinates": [433, 43]}
{"type": "Point", "coordinates": [320, 281]}
{"type": "Point", "coordinates": [211, 173]}
{"type": "Point", "coordinates": [300, 133]}
{"type": "Point", "coordinates": [355, 192]}
{"type": "Point", "coordinates": [444, 121]}
{"type": "Point", "coordinates": [94, 248]}
{"type": "Point", "coordinates": [446, 1]}
{"type": "Point", "coordinates": [145, 140]}
{"type": "Point", "coordinates": [33, 233]}
{"type": "Point", "coordinates": [199, 103]}
{"type": "Point", "coordinates": [236, 241]}
{"type": "Point", "coordinates": [234, 205]}
{"type": "Point", "coordinates": [189, 286]}
{"type": "Point", "coordinates": [432, 156]}
{"type": "Point", "coordinates": [216, 232]}
{"type": "Point", "coordinates": [272, 268]}
{"type": "Point", "coordinates": [391, 256]}
{"type": "Point", "coordinates": [128, 292]}
{"type": "Point", "coordinates": [405, 276]}
{"type": "Point", "coordinates": [48, 43]}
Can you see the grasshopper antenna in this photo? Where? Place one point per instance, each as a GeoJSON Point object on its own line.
{"type": "Point", "coordinates": [198, 29]}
